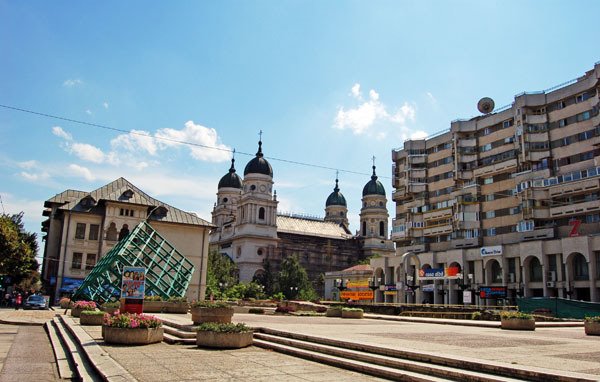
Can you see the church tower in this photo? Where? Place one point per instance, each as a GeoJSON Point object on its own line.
{"type": "Point", "coordinates": [374, 218]}
{"type": "Point", "coordinates": [256, 229]}
{"type": "Point", "coordinates": [336, 209]}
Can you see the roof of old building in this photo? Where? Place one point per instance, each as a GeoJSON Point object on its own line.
{"type": "Point", "coordinates": [123, 191]}
{"type": "Point", "coordinates": [360, 267]}
{"type": "Point", "coordinates": [336, 198]}
{"type": "Point", "coordinates": [258, 164]}
{"type": "Point", "coordinates": [231, 179]}
{"type": "Point", "coordinates": [311, 227]}
{"type": "Point", "coordinates": [373, 187]}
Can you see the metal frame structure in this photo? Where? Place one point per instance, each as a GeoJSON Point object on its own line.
{"type": "Point", "coordinates": [168, 272]}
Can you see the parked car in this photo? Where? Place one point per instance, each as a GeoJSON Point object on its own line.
{"type": "Point", "coordinates": [35, 302]}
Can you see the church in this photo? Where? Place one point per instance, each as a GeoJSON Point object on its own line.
{"type": "Point", "coordinates": [250, 231]}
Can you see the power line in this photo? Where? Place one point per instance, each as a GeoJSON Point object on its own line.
{"type": "Point", "coordinates": [105, 127]}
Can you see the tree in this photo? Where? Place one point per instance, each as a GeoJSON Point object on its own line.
{"type": "Point", "coordinates": [18, 248]}
{"type": "Point", "coordinates": [293, 279]}
{"type": "Point", "coordinates": [220, 275]}
{"type": "Point", "coordinates": [266, 278]}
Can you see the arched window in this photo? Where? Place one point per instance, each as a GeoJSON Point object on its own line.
{"type": "Point", "coordinates": [580, 268]}
{"type": "Point", "coordinates": [381, 229]}
{"type": "Point", "coordinates": [535, 270]}
{"type": "Point", "coordinates": [124, 232]}
{"type": "Point", "coordinates": [261, 213]}
{"type": "Point", "coordinates": [496, 272]}
{"type": "Point", "coordinates": [364, 233]}
{"type": "Point", "coordinates": [111, 232]}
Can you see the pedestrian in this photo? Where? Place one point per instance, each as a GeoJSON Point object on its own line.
{"type": "Point", "coordinates": [18, 301]}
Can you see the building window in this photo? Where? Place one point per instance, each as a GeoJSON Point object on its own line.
{"type": "Point", "coordinates": [490, 214]}
{"type": "Point", "coordinates": [381, 229]}
{"type": "Point", "coordinates": [535, 270]}
{"type": "Point", "coordinates": [90, 261]}
{"type": "Point", "coordinates": [364, 229]}
{"type": "Point", "coordinates": [124, 232]}
{"type": "Point", "coordinates": [489, 180]}
{"type": "Point", "coordinates": [76, 263]}
{"type": "Point", "coordinates": [126, 212]}
{"type": "Point", "coordinates": [496, 272]}
{"type": "Point", "coordinates": [491, 231]}
{"type": "Point", "coordinates": [580, 268]}
{"type": "Point", "coordinates": [261, 213]}
{"type": "Point", "coordinates": [80, 231]}
{"type": "Point", "coordinates": [111, 232]}
{"type": "Point", "coordinates": [94, 229]}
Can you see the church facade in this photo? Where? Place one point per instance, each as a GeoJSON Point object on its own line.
{"type": "Point", "coordinates": [250, 231]}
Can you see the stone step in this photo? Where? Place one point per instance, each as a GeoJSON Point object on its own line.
{"type": "Point", "coordinates": [64, 362]}
{"type": "Point", "coordinates": [349, 364]}
{"type": "Point", "coordinates": [381, 360]}
{"type": "Point", "coordinates": [178, 332]}
{"type": "Point", "coordinates": [81, 366]}
{"type": "Point", "coordinates": [174, 340]}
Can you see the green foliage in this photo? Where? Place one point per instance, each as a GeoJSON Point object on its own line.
{"type": "Point", "coordinates": [278, 296]}
{"type": "Point", "coordinates": [153, 298]}
{"type": "Point", "coordinates": [367, 260]}
{"type": "Point", "coordinates": [221, 274]}
{"type": "Point", "coordinates": [131, 321]}
{"type": "Point", "coordinates": [92, 313]}
{"type": "Point", "coordinates": [245, 291]}
{"type": "Point", "coordinates": [256, 311]}
{"type": "Point", "coordinates": [210, 304]}
{"type": "Point", "coordinates": [476, 316]}
{"type": "Point", "coordinates": [266, 278]}
{"type": "Point", "coordinates": [18, 248]}
{"type": "Point", "coordinates": [293, 279]}
{"type": "Point", "coordinates": [223, 327]}
{"type": "Point", "coordinates": [110, 304]}
{"type": "Point", "coordinates": [352, 310]}
{"type": "Point", "coordinates": [177, 299]}
{"type": "Point", "coordinates": [505, 315]}
{"type": "Point", "coordinates": [592, 319]}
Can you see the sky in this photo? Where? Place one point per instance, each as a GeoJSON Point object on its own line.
{"type": "Point", "coordinates": [331, 84]}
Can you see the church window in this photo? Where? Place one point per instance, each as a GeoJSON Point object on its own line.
{"type": "Point", "coordinates": [261, 213]}
{"type": "Point", "coordinates": [342, 213]}
{"type": "Point", "coordinates": [381, 229]}
{"type": "Point", "coordinates": [124, 232]}
{"type": "Point", "coordinates": [380, 204]}
{"type": "Point", "coordinates": [111, 232]}
{"type": "Point", "coordinates": [364, 229]}
{"type": "Point", "coordinates": [253, 187]}
{"type": "Point", "coordinates": [259, 252]}
{"type": "Point", "coordinates": [225, 200]}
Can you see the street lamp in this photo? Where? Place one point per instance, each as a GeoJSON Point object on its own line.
{"type": "Point", "coordinates": [374, 285]}
{"type": "Point", "coordinates": [293, 292]}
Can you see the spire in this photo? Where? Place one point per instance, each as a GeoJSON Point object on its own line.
{"type": "Point", "coordinates": [336, 189]}
{"type": "Point", "coordinates": [374, 176]}
{"type": "Point", "coordinates": [232, 168]}
{"type": "Point", "coordinates": [259, 153]}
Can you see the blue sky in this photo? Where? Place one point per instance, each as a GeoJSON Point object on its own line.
{"type": "Point", "coordinates": [330, 83]}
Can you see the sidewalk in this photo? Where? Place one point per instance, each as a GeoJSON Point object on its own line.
{"type": "Point", "coordinates": [10, 316]}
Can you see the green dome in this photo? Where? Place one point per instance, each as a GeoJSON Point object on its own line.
{"type": "Point", "coordinates": [258, 165]}
{"type": "Point", "coordinates": [373, 187]}
{"type": "Point", "coordinates": [336, 198]}
{"type": "Point", "coordinates": [231, 179]}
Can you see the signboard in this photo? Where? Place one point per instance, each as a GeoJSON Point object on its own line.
{"type": "Point", "coordinates": [361, 283]}
{"type": "Point", "coordinates": [428, 288]}
{"type": "Point", "coordinates": [390, 293]}
{"type": "Point", "coordinates": [69, 284]}
{"type": "Point", "coordinates": [488, 292]}
{"type": "Point", "coordinates": [452, 271]}
{"type": "Point", "coordinates": [133, 283]}
{"type": "Point", "coordinates": [390, 287]}
{"type": "Point", "coordinates": [467, 297]}
{"type": "Point", "coordinates": [356, 295]}
{"type": "Point", "coordinates": [495, 250]}
{"type": "Point", "coordinates": [439, 273]}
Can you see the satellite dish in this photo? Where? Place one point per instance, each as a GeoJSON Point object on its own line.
{"type": "Point", "coordinates": [485, 105]}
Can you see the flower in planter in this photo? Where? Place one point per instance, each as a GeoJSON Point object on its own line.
{"type": "Point", "coordinates": [352, 310]}
{"type": "Point", "coordinates": [131, 321]}
{"type": "Point", "coordinates": [85, 305]}
{"type": "Point", "coordinates": [592, 319]}
{"type": "Point", "coordinates": [65, 303]}
{"type": "Point", "coordinates": [93, 313]}
{"type": "Point", "coordinates": [152, 298]}
{"type": "Point", "coordinates": [111, 304]}
{"type": "Point", "coordinates": [223, 328]}
{"type": "Point", "coordinates": [515, 316]}
{"type": "Point", "coordinates": [177, 299]}
{"type": "Point", "coordinates": [210, 304]}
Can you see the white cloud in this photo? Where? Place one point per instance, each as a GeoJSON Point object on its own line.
{"type": "Point", "coordinates": [88, 112]}
{"type": "Point", "coordinates": [431, 98]}
{"type": "Point", "coordinates": [59, 132]}
{"type": "Point", "coordinates": [205, 138]}
{"type": "Point", "coordinates": [105, 104]}
{"type": "Point", "coordinates": [72, 82]}
{"type": "Point", "coordinates": [81, 171]}
{"type": "Point", "coordinates": [134, 141]}
{"type": "Point", "coordinates": [28, 165]}
{"type": "Point", "coordinates": [419, 135]}
{"type": "Point", "coordinates": [88, 152]}
{"type": "Point", "coordinates": [368, 114]}
{"type": "Point", "coordinates": [35, 177]}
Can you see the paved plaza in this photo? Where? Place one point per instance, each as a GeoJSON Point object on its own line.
{"type": "Point", "coordinates": [567, 349]}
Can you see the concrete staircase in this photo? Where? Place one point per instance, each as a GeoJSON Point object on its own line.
{"type": "Point", "coordinates": [399, 365]}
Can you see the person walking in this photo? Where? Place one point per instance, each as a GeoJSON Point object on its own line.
{"type": "Point", "coordinates": [18, 301]}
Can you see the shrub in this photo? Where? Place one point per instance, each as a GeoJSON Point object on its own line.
{"type": "Point", "coordinates": [85, 305]}
{"type": "Point", "coordinates": [177, 299]}
{"type": "Point", "coordinates": [278, 296]}
{"type": "Point", "coordinates": [352, 310]}
{"type": "Point", "coordinates": [210, 304]}
{"type": "Point", "coordinates": [515, 315]}
{"type": "Point", "coordinates": [256, 311]}
{"type": "Point", "coordinates": [131, 321]}
{"type": "Point", "coordinates": [111, 304]}
{"type": "Point", "coordinates": [284, 309]}
{"type": "Point", "coordinates": [92, 313]}
{"type": "Point", "coordinates": [223, 328]}
{"type": "Point", "coordinates": [476, 316]}
{"type": "Point", "coordinates": [592, 318]}
{"type": "Point", "coordinates": [65, 302]}
{"type": "Point", "coordinates": [152, 298]}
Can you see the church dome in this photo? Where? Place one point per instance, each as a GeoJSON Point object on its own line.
{"type": "Point", "coordinates": [373, 187]}
{"type": "Point", "coordinates": [231, 179]}
{"type": "Point", "coordinates": [258, 164]}
{"type": "Point", "coordinates": [336, 198]}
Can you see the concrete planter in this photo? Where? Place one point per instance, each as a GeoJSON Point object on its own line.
{"type": "Point", "coordinates": [517, 324]}
{"type": "Point", "coordinates": [333, 312]}
{"type": "Point", "coordinates": [220, 315]}
{"type": "Point", "coordinates": [76, 312]}
{"type": "Point", "coordinates": [352, 314]}
{"type": "Point", "coordinates": [110, 311]}
{"type": "Point", "coordinates": [223, 340]}
{"type": "Point", "coordinates": [154, 306]}
{"type": "Point", "coordinates": [127, 336]}
{"type": "Point", "coordinates": [90, 319]}
{"type": "Point", "coordinates": [176, 307]}
{"type": "Point", "coordinates": [592, 328]}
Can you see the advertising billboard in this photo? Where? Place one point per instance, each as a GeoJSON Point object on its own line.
{"type": "Point", "coordinates": [489, 292]}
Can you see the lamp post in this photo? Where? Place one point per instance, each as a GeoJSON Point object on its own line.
{"type": "Point", "coordinates": [293, 292]}
{"type": "Point", "coordinates": [374, 285]}
{"type": "Point", "coordinates": [339, 284]}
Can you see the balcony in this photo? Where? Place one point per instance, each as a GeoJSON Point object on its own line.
{"type": "Point", "coordinates": [415, 248]}
{"type": "Point", "coordinates": [536, 213]}
{"type": "Point", "coordinates": [575, 187]}
{"type": "Point", "coordinates": [467, 158]}
{"type": "Point", "coordinates": [575, 209]}
{"type": "Point", "coordinates": [438, 230]}
{"type": "Point", "coordinates": [467, 142]}
{"type": "Point", "coordinates": [399, 194]}
{"type": "Point", "coordinates": [466, 243]}
{"type": "Point", "coordinates": [464, 174]}
{"type": "Point", "coordinates": [399, 235]}
{"type": "Point", "coordinates": [438, 214]}
{"type": "Point", "coordinates": [461, 126]}
{"type": "Point", "coordinates": [495, 168]}
{"type": "Point", "coordinates": [467, 224]}
{"type": "Point", "coordinates": [536, 156]}
{"type": "Point", "coordinates": [417, 187]}
{"type": "Point", "coordinates": [538, 234]}
{"type": "Point", "coordinates": [536, 137]}
{"type": "Point", "coordinates": [533, 119]}
{"type": "Point", "coordinates": [417, 159]}
{"type": "Point", "coordinates": [417, 173]}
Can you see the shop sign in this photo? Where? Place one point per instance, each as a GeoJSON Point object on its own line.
{"type": "Point", "coordinates": [495, 250]}
{"type": "Point", "coordinates": [431, 273]}
{"type": "Point", "coordinates": [356, 295]}
{"type": "Point", "coordinates": [361, 283]}
{"type": "Point", "coordinates": [390, 293]}
{"type": "Point", "coordinates": [390, 288]}
{"type": "Point", "coordinates": [488, 292]}
{"type": "Point", "coordinates": [428, 287]}
{"type": "Point", "coordinates": [467, 297]}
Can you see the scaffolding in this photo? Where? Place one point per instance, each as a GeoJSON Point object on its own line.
{"type": "Point", "coordinates": [168, 272]}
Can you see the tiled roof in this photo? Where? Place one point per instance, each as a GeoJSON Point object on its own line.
{"type": "Point", "coordinates": [114, 192]}
{"type": "Point", "coordinates": [65, 197]}
{"type": "Point", "coordinates": [361, 267]}
{"type": "Point", "coordinates": [311, 227]}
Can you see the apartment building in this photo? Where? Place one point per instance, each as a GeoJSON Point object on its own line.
{"type": "Point", "coordinates": [508, 199]}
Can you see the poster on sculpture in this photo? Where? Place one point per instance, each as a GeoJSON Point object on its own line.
{"type": "Point", "coordinates": [134, 283]}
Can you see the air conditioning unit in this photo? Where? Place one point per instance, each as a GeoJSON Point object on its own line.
{"type": "Point", "coordinates": [552, 276]}
{"type": "Point", "coordinates": [550, 284]}
{"type": "Point", "coordinates": [511, 277]}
